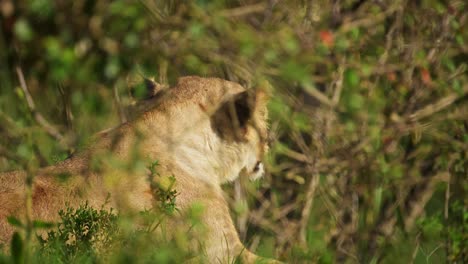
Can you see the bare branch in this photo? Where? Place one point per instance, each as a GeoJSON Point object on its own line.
{"type": "Point", "coordinates": [244, 10]}
{"type": "Point", "coordinates": [338, 83]}
{"type": "Point", "coordinates": [118, 103]}
{"type": "Point", "coordinates": [438, 106]}
{"type": "Point", "coordinates": [305, 214]}
{"type": "Point", "coordinates": [322, 98]}
{"type": "Point", "coordinates": [50, 129]}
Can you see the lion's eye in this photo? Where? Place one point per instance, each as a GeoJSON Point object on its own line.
{"type": "Point", "coordinates": [257, 166]}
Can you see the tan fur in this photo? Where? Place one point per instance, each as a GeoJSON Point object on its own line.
{"type": "Point", "coordinates": [177, 130]}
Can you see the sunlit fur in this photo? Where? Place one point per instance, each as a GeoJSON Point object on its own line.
{"type": "Point", "coordinates": [176, 130]}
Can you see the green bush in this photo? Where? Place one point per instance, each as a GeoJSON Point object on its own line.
{"type": "Point", "coordinates": [83, 235]}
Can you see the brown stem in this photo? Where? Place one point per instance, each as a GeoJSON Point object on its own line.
{"type": "Point", "coordinates": [50, 129]}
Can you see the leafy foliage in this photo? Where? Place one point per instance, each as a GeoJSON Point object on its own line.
{"type": "Point", "coordinates": [81, 235]}
{"type": "Point", "coordinates": [163, 190]}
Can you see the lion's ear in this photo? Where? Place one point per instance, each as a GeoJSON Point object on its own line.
{"type": "Point", "coordinates": [142, 88]}
{"type": "Point", "coordinates": [152, 87]}
{"type": "Point", "coordinates": [231, 119]}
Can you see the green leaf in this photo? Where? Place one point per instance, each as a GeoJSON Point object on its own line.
{"type": "Point", "coordinates": [17, 248]}
{"type": "Point", "coordinates": [42, 224]}
{"type": "Point", "coordinates": [22, 30]}
{"type": "Point", "coordinates": [355, 33]}
{"type": "Point", "coordinates": [196, 30]}
{"type": "Point", "coordinates": [14, 221]}
{"type": "Point", "coordinates": [112, 67]}
{"type": "Point", "coordinates": [356, 101]}
{"type": "Point", "coordinates": [351, 78]}
{"type": "Point", "coordinates": [377, 199]}
{"type": "Point", "coordinates": [293, 71]}
{"type": "Point", "coordinates": [279, 108]}
{"type": "Point", "coordinates": [366, 70]}
{"type": "Point", "coordinates": [291, 46]}
{"type": "Point", "coordinates": [301, 121]}
{"type": "Point", "coordinates": [42, 8]}
{"type": "Point", "coordinates": [460, 40]}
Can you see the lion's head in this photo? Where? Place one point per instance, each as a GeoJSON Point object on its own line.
{"type": "Point", "coordinates": [210, 128]}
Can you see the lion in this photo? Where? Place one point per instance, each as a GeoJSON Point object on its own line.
{"type": "Point", "coordinates": [204, 132]}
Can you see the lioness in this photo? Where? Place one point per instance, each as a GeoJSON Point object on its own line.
{"type": "Point", "coordinates": [203, 131]}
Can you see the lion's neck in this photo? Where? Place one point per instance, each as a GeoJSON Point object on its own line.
{"type": "Point", "coordinates": [202, 157]}
{"type": "Point", "coordinates": [199, 153]}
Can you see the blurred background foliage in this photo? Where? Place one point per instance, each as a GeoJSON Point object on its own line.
{"type": "Point", "coordinates": [369, 112]}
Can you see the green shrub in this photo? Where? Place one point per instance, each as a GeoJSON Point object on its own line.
{"type": "Point", "coordinates": [83, 235]}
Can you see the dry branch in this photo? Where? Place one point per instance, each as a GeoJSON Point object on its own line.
{"type": "Point", "coordinates": [322, 98]}
{"type": "Point", "coordinates": [438, 106]}
{"type": "Point", "coordinates": [243, 10]}
{"type": "Point", "coordinates": [50, 129]}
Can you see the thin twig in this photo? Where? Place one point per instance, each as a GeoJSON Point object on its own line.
{"type": "Point", "coordinates": [418, 201]}
{"type": "Point", "coordinates": [432, 252]}
{"type": "Point", "coordinates": [120, 108]}
{"type": "Point", "coordinates": [163, 73]}
{"type": "Point", "coordinates": [50, 129]}
{"type": "Point", "coordinates": [438, 106]}
{"type": "Point", "coordinates": [338, 85]}
{"type": "Point", "coordinates": [368, 21]}
{"type": "Point", "coordinates": [416, 249]}
{"type": "Point", "coordinates": [12, 156]}
{"type": "Point", "coordinates": [309, 199]}
{"type": "Point", "coordinates": [446, 218]}
{"type": "Point", "coordinates": [313, 184]}
{"type": "Point", "coordinates": [322, 98]}
{"type": "Point", "coordinates": [243, 10]}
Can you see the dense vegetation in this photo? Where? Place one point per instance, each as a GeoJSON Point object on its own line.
{"type": "Point", "coordinates": [369, 116]}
